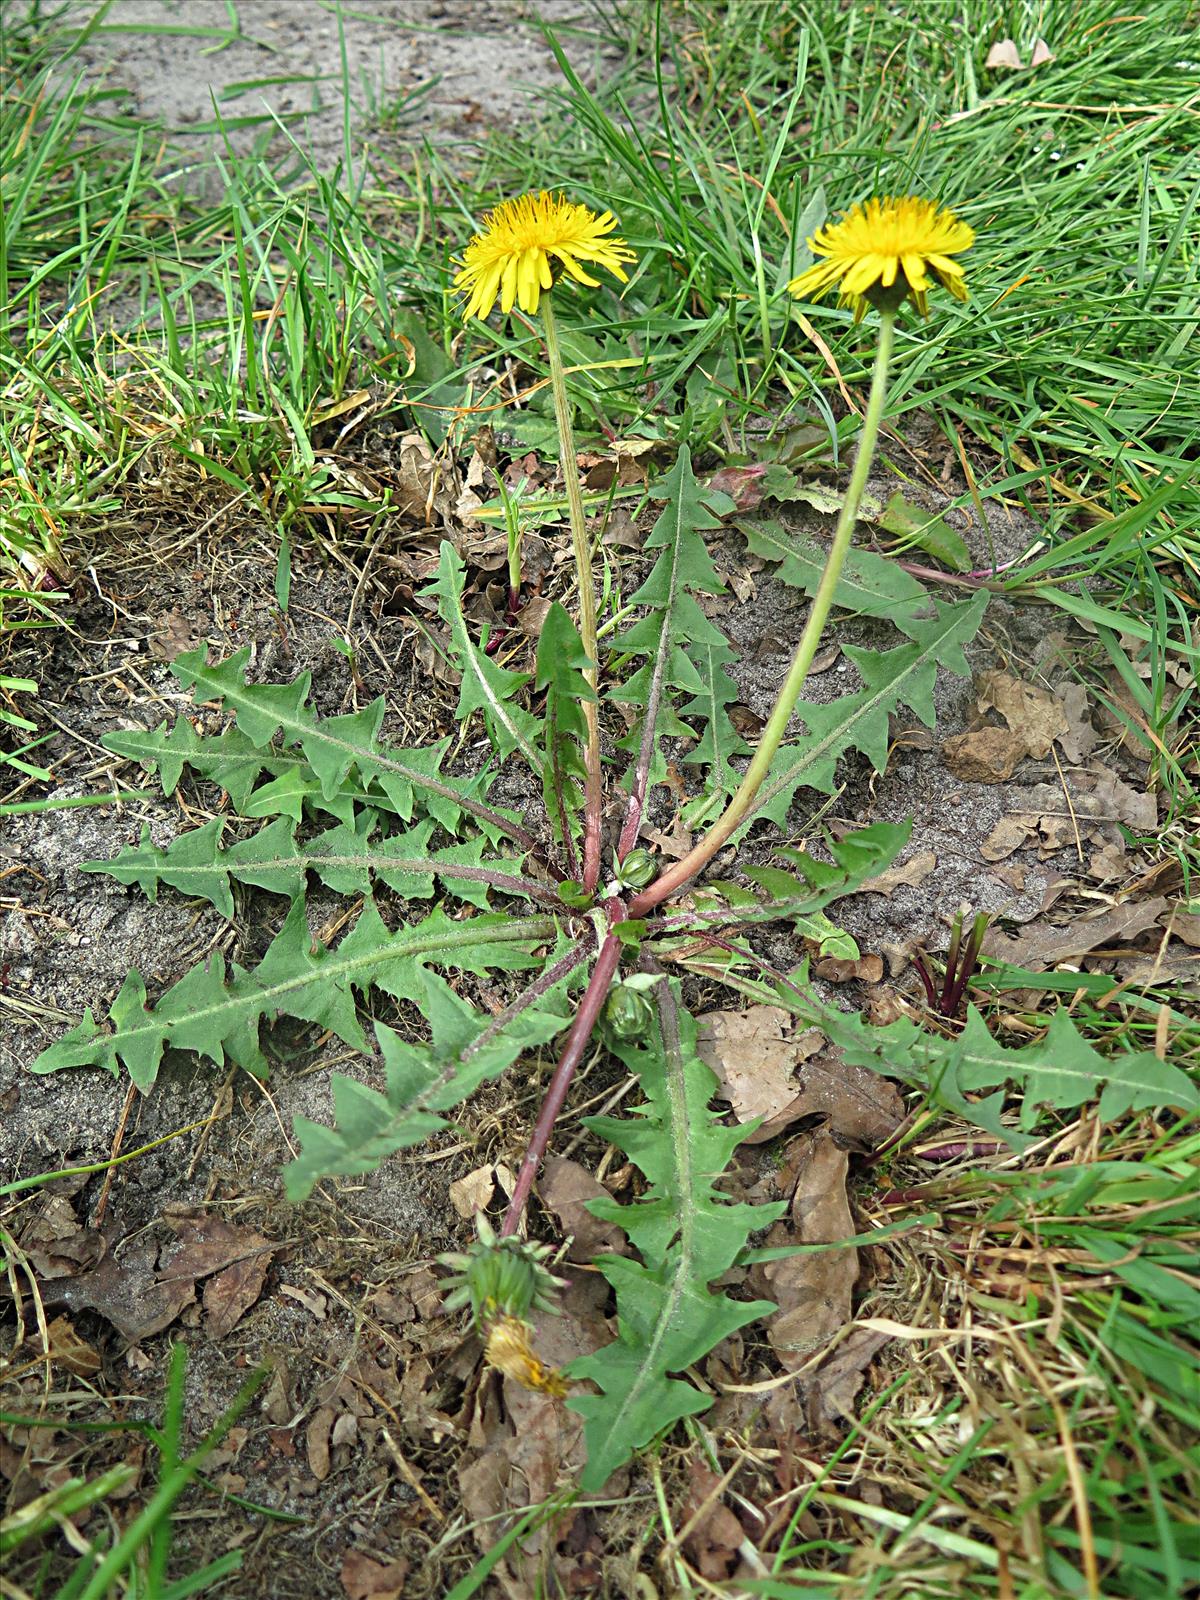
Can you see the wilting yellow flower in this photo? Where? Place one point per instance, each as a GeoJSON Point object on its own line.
{"type": "Point", "coordinates": [508, 1350]}
{"type": "Point", "coordinates": [511, 257]}
{"type": "Point", "coordinates": [885, 251]}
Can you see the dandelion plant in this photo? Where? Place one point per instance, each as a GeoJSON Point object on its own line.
{"type": "Point", "coordinates": [584, 949]}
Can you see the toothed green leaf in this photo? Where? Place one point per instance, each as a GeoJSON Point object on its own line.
{"type": "Point", "coordinates": [859, 721]}
{"type": "Point", "coordinates": [422, 1081]}
{"type": "Point", "coordinates": [485, 687]}
{"type": "Point", "coordinates": [561, 666]}
{"type": "Point", "coordinates": [687, 1233]}
{"type": "Point", "coordinates": [218, 1016]}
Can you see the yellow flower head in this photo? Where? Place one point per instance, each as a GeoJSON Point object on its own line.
{"type": "Point", "coordinates": [885, 251]}
{"type": "Point", "coordinates": [511, 257]}
{"type": "Point", "coordinates": [510, 1352]}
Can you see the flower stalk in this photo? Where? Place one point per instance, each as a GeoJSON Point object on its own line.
{"type": "Point", "coordinates": [590, 1007]}
{"type": "Point", "coordinates": [593, 797]}
{"type": "Point", "coordinates": [743, 801]}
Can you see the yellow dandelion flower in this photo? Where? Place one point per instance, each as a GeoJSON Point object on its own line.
{"type": "Point", "coordinates": [508, 1350]}
{"type": "Point", "coordinates": [511, 257]}
{"type": "Point", "coordinates": [886, 251]}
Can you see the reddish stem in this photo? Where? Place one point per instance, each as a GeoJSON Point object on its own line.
{"type": "Point", "coordinates": [594, 996]}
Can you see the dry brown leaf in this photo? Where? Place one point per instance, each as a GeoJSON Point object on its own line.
{"type": "Point", "coordinates": [316, 1442]}
{"type": "Point", "coordinates": [475, 1192]}
{"type": "Point", "coordinates": [766, 1073]}
{"type": "Point", "coordinates": [1110, 864]}
{"type": "Point", "coordinates": [68, 1350]}
{"type": "Point", "coordinates": [316, 1304]}
{"type": "Point", "coordinates": [674, 844]}
{"type": "Point", "coordinates": [1009, 834]}
{"type": "Point", "coordinates": [565, 1188]}
{"type": "Point", "coordinates": [812, 1291]}
{"type": "Point", "coordinates": [345, 1430]}
{"type": "Point", "coordinates": [1184, 924]}
{"type": "Point", "coordinates": [1134, 807]}
{"type": "Point", "coordinates": [229, 1295]}
{"type": "Point", "coordinates": [1040, 946]}
{"type": "Point", "coordinates": [862, 1108]}
{"type": "Point", "coordinates": [985, 755]}
{"type": "Point", "coordinates": [177, 634]}
{"type": "Point", "coordinates": [830, 1390]}
{"type": "Point", "coordinates": [1080, 738]}
{"type": "Point", "coordinates": [912, 873]}
{"type": "Point", "coordinates": [364, 1578]}
{"type": "Point", "coordinates": [421, 492]}
{"type": "Point", "coordinates": [754, 1056]}
{"type": "Point", "coordinates": [1033, 713]}
{"type": "Point", "coordinates": [715, 1533]}
{"type": "Point", "coordinates": [841, 969]}
{"type": "Point", "coordinates": [54, 1243]}
{"type": "Point", "coordinates": [130, 1294]}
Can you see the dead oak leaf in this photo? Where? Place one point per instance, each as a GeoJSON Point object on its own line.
{"type": "Point", "coordinates": [566, 1187]}
{"type": "Point", "coordinates": [861, 1107]}
{"type": "Point", "coordinates": [912, 873]}
{"type": "Point", "coordinates": [231, 1293]}
{"type": "Point", "coordinates": [1032, 712]}
{"type": "Point", "coordinates": [830, 1390]}
{"type": "Point", "coordinates": [983, 755]}
{"type": "Point", "coordinates": [715, 1534]}
{"type": "Point", "coordinates": [1009, 834]}
{"type": "Point", "coordinates": [143, 1286]}
{"type": "Point", "coordinates": [364, 1578]}
{"type": "Point", "coordinates": [1039, 947]}
{"type": "Point", "coordinates": [812, 1291]}
{"type": "Point", "coordinates": [474, 1192]}
{"type": "Point", "coordinates": [765, 1072]}
{"type": "Point", "coordinates": [176, 635]}
{"type": "Point", "coordinates": [1080, 738]}
{"type": "Point", "coordinates": [754, 1056]}
{"type": "Point", "coordinates": [1034, 719]}
{"type": "Point", "coordinates": [66, 1349]}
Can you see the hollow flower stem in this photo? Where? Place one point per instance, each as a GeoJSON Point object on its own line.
{"type": "Point", "coordinates": [608, 959]}
{"type": "Point", "coordinates": [742, 803]}
{"type": "Point", "coordinates": [587, 593]}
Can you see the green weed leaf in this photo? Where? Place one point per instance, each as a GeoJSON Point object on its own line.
{"type": "Point", "coordinates": [673, 617]}
{"type": "Point", "coordinates": [686, 1232]}
{"type": "Point", "coordinates": [871, 585]}
{"type": "Point", "coordinates": [346, 858]}
{"type": "Point", "coordinates": [217, 1013]}
{"type": "Point", "coordinates": [859, 721]}
{"type": "Point", "coordinates": [485, 687]}
{"type": "Point", "coordinates": [561, 665]}
{"type": "Point", "coordinates": [332, 749]}
{"type": "Point", "coordinates": [422, 1081]}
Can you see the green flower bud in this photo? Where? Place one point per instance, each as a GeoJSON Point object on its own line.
{"type": "Point", "coordinates": [499, 1277]}
{"type": "Point", "coordinates": [637, 869]}
{"type": "Point", "coordinates": [629, 1013]}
